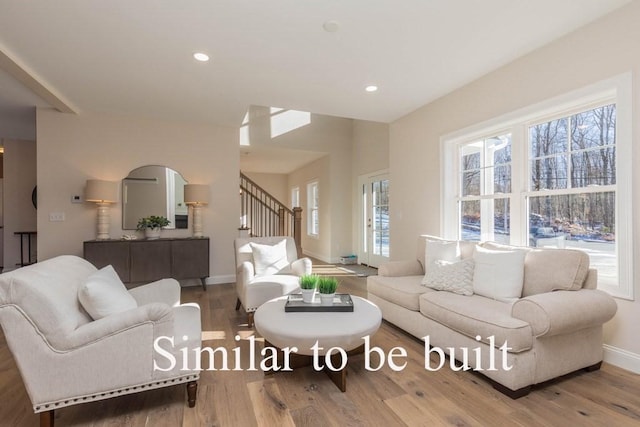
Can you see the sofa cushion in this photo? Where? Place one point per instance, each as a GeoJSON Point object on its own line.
{"type": "Point", "coordinates": [403, 291]}
{"type": "Point", "coordinates": [104, 294]}
{"type": "Point", "coordinates": [476, 315]}
{"type": "Point", "coordinates": [498, 274]}
{"type": "Point", "coordinates": [456, 277]}
{"type": "Point", "coordinates": [547, 270]}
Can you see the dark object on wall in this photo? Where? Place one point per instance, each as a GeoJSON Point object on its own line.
{"type": "Point", "coordinates": [34, 197]}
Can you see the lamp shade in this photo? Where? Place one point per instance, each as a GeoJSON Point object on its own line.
{"type": "Point", "coordinates": [101, 191]}
{"type": "Point", "coordinates": [196, 194]}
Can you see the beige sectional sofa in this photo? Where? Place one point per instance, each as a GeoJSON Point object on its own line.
{"type": "Point", "coordinates": [553, 328]}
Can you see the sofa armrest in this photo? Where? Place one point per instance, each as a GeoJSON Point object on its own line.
{"type": "Point", "coordinates": [301, 267]}
{"type": "Point", "coordinates": [400, 268]}
{"type": "Point", "coordinates": [559, 312]}
{"type": "Point", "coordinates": [166, 291]}
{"type": "Point", "coordinates": [156, 313]}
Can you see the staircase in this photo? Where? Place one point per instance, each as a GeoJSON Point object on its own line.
{"type": "Point", "coordinates": [262, 215]}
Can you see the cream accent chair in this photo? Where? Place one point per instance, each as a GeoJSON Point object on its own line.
{"type": "Point", "coordinates": [66, 358]}
{"type": "Point", "coordinates": [254, 289]}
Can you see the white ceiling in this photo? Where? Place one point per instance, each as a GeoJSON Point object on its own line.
{"type": "Point", "coordinates": [135, 57]}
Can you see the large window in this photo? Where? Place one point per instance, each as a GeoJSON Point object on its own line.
{"type": "Point", "coordinates": [313, 219]}
{"type": "Point", "coordinates": [572, 182]}
{"type": "Point", "coordinates": [549, 178]}
{"type": "Point", "coordinates": [485, 190]}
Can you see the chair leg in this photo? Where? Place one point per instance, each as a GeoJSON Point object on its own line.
{"type": "Point", "coordinates": [192, 393]}
{"type": "Point", "coordinates": [250, 319]}
{"type": "Point", "coordinates": [238, 304]}
{"type": "Point", "coordinates": [46, 418]}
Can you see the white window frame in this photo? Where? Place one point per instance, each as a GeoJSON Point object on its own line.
{"type": "Point", "coordinates": [313, 208]}
{"type": "Point", "coordinates": [617, 90]}
{"type": "Point", "coordinates": [295, 197]}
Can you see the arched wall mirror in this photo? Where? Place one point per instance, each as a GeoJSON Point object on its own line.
{"type": "Point", "coordinates": [154, 190]}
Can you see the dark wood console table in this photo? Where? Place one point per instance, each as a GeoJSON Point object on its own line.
{"type": "Point", "coordinates": [144, 260]}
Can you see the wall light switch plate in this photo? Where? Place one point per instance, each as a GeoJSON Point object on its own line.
{"type": "Point", "coordinates": [76, 199]}
{"type": "Point", "coordinates": [56, 216]}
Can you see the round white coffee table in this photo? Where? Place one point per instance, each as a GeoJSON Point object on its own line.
{"type": "Point", "coordinates": [303, 330]}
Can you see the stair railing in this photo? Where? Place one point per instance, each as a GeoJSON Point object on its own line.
{"type": "Point", "coordinates": [263, 215]}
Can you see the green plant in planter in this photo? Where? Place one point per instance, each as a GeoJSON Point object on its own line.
{"type": "Point", "coordinates": [327, 285]}
{"type": "Point", "coordinates": [308, 281]}
{"type": "Point", "coordinates": [152, 221]}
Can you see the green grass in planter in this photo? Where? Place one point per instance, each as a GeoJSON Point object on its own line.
{"type": "Point", "coordinates": [327, 285]}
{"type": "Point", "coordinates": [308, 281]}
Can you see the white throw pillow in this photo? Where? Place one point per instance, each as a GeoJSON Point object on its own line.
{"type": "Point", "coordinates": [456, 277]}
{"type": "Point", "coordinates": [103, 294]}
{"type": "Point", "coordinates": [437, 250]}
{"type": "Point", "coordinates": [498, 274]}
{"type": "Point", "coordinates": [270, 259]}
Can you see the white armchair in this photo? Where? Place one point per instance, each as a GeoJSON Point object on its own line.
{"type": "Point", "coordinates": [66, 358]}
{"type": "Point", "coordinates": [267, 268]}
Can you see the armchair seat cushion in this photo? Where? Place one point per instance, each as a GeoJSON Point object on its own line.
{"type": "Point", "coordinates": [265, 288]}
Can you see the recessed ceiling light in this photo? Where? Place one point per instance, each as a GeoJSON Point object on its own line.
{"type": "Point", "coordinates": [202, 57]}
{"type": "Point", "coordinates": [331, 26]}
{"type": "Point", "coordinates": [371, 88]}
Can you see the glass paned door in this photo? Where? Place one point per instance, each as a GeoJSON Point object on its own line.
{"type": "Point", "coordinates": [375, 221]}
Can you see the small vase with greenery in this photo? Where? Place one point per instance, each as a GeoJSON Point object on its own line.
{"type": "Point", "coordinates": [151, 225]}
{"type": "Point", "coordinates": [308, 284]}
{"type": "Point", "coordinates": [327, 287]}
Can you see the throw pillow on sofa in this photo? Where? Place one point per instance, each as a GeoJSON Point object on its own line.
{"type": "Point", "coordinates": [104, 294]}
{"type": "Point", "coordinates": [456, 277]}
{"type": "Point", "coordinates": [498, 274]}
{"type": "Point", "coordinates": [439, 250]}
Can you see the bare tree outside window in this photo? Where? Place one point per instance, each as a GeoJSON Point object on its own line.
{"type": "Point", "coordinates": [576, 157]}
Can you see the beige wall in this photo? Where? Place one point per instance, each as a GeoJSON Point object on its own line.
{"type": "Point", "coordinates": [370, 147]}
{"type": "Point", "coordinates": [74, 148]}
{"type": "Point", "coordinates": [370, 155]}
{"type": "Point", "coordinates": [275, 184]}
{"type": "Point", "coordinates": [316, 171]}
{"type": "Point", "coordinates": [19, 212]}
{"type": "Point", "coordinates": [599, 51]}
{"type": "Point", "coordinates": [324, 134]}
{"type": "Point", "coordinates": [354, 147]}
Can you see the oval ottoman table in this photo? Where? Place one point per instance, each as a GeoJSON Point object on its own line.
{"type": "Point", "coordinates": [325, 330]}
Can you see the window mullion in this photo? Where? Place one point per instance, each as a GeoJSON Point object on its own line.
{"type": "Point", "coordinates": [519, 184]}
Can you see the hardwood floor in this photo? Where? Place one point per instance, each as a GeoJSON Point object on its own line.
{"type": "Point", "coordinates": [412, 397]}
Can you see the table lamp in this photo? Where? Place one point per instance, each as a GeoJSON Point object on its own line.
{"type": "Point", "coordinates": [196, 195]}
{"type": "Point", "coordinates": [102, 193]}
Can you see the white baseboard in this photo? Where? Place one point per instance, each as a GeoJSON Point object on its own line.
{"type": "Point", "coordinates": [218, 280]}
{"type": "Point", "coordinates": [622, 358]}
{"type": "Point", "coordinates": [317, 256]}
